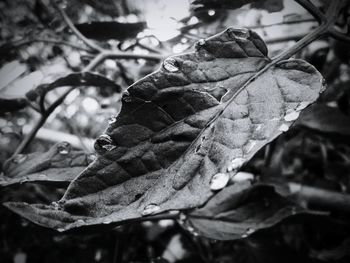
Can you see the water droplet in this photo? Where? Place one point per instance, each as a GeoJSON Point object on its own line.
{"type": "Point", "coordinates": [19, 158]}
{"type": "Point", "coordinates": [107, 221]}
{"type": "Point", "coordinates": [302, 105]}
{"type": "Point", "coordinates": [236, 164]}
{"type": "Point", "coordinates": [91, 158]}
{"type": "Point", "coordinates": [211, 12]}
{"type": "Point", "coordinates": [104, 143]}
{"type": "Point", "coordinates": [127, 98]}
{"type": "Point", "coordinates": [201, 42]}
{"type": "Point", "coordinates": [150, 209]}
{"type": "Point", "coordinates": [283, 128]}
{"type": "Point", "coordinates": [242, 176]}
{"type": "Point", "coordinates": [55, 206]}
{"type": "Point", "coordinates": [250, 231]}
{"type": "Point", "coordinates": [63, 148]}
{"type": "Point", "coordinates": [60, 229]}
{"type": "Point", "coordinates": [291, 116]}
{"type": "Point", "coordinates": [112, 120]}
{"type": "Point", "coordinates": [170, 65]}
{"type": "Point", "coordinates": [219, 181]}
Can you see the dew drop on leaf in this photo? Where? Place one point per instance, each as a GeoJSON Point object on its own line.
{"type": "Point", "coordinates": [64, 148]}
{"type": "Point", "coordinates": [112, 120]}
{"type": "Point", "coordinates": [235, 164]}
{"type": "Point", "coordinates": [104, 143]}
{"type": "Point", "coordinates": [107, 221]}
{"type": "Point", "coordinates": [211, 12]}
{"type": "Point", "coordinates": [150, 209]}
{"type": "Point", "coordinates": [250, 231]}
{"type": "Point", "coordinates": [19, 158]}
{"type": "Point", "coordinates": [60, 229]}
{"type": "Point", "coordinates": [242, 176]}
{"type": "Point", "coordinates": [201, 42]}
{"type": "Point", "coordinates": [302, 105]}
{"type": "Point", "coordinates": [291, 116]}
{"type": "Point", "coordinates": [284, 127]}
{"type": "Point", "coordinates": [219, 181]}
{"type": "Point", "coordinates": [170, 65]}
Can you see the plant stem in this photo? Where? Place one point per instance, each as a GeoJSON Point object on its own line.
{"type": "Point", "coordinates": [313, 10]}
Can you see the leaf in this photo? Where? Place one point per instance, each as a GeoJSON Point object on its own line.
{"type": "Point", "coordinates": [59, 165]}
{"type": "Point", "coordinates": [239, 211]}
{"type": "Point", "coordinates": [111, 30]}
{"type": "Point", "coordinates": [269, 5]}
{"type": "Point", "coordinates": [325, 119]}
{"type": "Point", "coordinates": [200, 114]}
{"type": "Point", "coordinates": [73, 79]}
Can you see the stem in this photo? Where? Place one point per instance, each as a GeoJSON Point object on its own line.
{"type": "Point", "coordinates": [52, 41]}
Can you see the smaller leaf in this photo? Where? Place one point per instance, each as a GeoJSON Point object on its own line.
{"type": "Point", "coordinates": [238, 211]}
{"type": "Point", "coordinates": [110, 30]}
{"type": "Point", "coordinates": [60, 165]}
{"type": "Point", "coordinates": [325, 119]}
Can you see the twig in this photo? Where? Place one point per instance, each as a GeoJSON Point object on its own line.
{"type": "Point", "coordinates": [52, 41]}
{"type": "Point", "coordinates": [70, 24]}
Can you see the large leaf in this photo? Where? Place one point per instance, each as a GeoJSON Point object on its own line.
{"type": "Point", "coordinates": [202, 114]}
{"type": "Point", "coordinates": [59, 165]}
{"type": "Point", "coordinates": [239, 210]}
